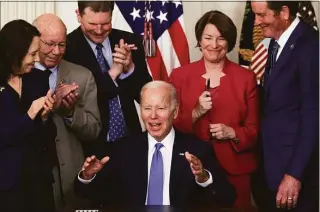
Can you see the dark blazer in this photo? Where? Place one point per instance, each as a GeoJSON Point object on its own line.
{"type": "Point", "coordinates": [25, 143]}
{"type": "Point", "coordinates": [290, 128]}
{"type": "Point", "coordinates": [80, 52]}
{"type": "Point", "coordinates": [236, 106]}
{"type": "Point", "coordinates": [124, 179]}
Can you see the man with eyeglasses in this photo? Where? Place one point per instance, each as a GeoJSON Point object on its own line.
{"type": "Point", "coordinates": [76, 112]}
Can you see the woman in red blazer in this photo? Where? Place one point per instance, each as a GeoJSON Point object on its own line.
{"type": "Point", "coordinates": [219, 102]}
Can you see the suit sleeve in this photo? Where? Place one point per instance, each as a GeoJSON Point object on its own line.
{"type": "Point", "coordinates": [86, 118]}
{"type": "Point", "coordinates": [183, 122]}
{"type": "Point", "coordinates": [247, 132]}
{"type": "Point", "coordinates": [221, 190]}
{"type": "Point", "coordinates": [15, 125]}
{"type": "Point", "coordinates": [309, 110]}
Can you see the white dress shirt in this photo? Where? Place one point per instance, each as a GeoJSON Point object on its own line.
{"type": "Point", "coordinates": [166, 152]}
{"type": "Point", "coordinates": [286, 35]}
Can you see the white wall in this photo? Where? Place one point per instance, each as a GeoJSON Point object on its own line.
{"type": "Point", "coordinates": [23, 10]}
{"type": "Point", "coordinates": [66, 11]}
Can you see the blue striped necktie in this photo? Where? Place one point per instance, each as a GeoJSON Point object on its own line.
{"type": "Point", "coordinates": [116, 119]}
{"type": "Point", "coordinates": [155, 188]}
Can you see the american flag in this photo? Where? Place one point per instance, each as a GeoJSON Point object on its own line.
{"type": "Point", "coordinates": [259, 58]}
{"type": "Point", "coordinates": [168, 31]}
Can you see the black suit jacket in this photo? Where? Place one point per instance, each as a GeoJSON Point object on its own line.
{"type": "Point", "coordinates": [27, 148]}
{"type": "Point", "coordinates": [128, 89]}
{"type": "Point", "coordinates": [124, 179]}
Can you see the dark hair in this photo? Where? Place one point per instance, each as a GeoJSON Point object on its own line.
{"type": "Point", "coordinates": [15, 40]}
{"type": "Point", "coordinates": [96, 6]}
{"type": "Point", "coordinates": [223, 23]}
{"type": "Point", "coordinates": [276, 7]}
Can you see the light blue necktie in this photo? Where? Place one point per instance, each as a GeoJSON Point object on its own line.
{"type": "Point", "coordinates": [116, 120]}
{"type": "Point", "coordinates": [155, 188]}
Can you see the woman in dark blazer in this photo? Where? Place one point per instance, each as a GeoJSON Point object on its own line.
{"type": "Point", "coordinates": [27, 132]}
{"type": "Point", "coordinates": [219, 102]}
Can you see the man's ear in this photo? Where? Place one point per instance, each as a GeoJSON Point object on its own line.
{"type": "Point", "coordinates": [285, 13]}
{"type": "Point", "coordinates": [78, 15]}
{"type": "Point", "coordinates": [176, 112]}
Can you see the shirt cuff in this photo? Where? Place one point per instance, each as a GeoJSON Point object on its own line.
{"type": "Point", "coordinates": [125, 75]}
{"type": "Point", "coordinates": [83, 180]}
{"type": "Point", "coordinates": [208, 182]}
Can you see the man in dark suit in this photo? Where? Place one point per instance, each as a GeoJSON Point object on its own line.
{"type": "Point", "coordinates": [117, 62]}
{"type": "Point", "coordinates": [290, 130]}
{"type": "Point", "coordinates": [182, 171]}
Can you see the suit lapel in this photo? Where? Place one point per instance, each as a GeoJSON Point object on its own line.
{"type": "Point", "coordinates": [114, 39]}
{"type": "Point", "coordinates": [63, 73]}
{"type": "Point", "coordinates": [285, 54]}
{"type": "Point", "coordinates": [89, 55]}
{"type": "Point", "coordinates": [265, 75]}
{"type": "Point", "coordinates": [142, 155]}
{"type": "Point", "coordinates": [196, 81]}
{"type": "Point", "coordinates": [178, 162]}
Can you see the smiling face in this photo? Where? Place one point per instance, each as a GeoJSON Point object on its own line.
{"type": "Point", "coordinates": [31, 57]}
{"type": "Point", "coordinates": [95, 25]}
{"type": "Point", "coordinates": [214, 47]}
{"type": "Point", "coordinates": [52, 44]}
{"type": "Point", "coordinates": [158, 110]}
{"type": "Point", "coordinates": [272, 25]}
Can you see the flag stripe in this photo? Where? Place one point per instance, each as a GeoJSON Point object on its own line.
{"type": "Point", "coordinates": [168, 53]}
{"type": "Point", "coordinates": [179, 42]}
{"type": "Point", "coordinates": [257, 52]}
{"type": "Point", "coordinates": [260, 72]}
{"type": "Point", "coordinates": [259, 60]}
{"type": "Point", "coordinates": [181, 21]}
{"type": "Point", "coordinates": [156, 63]}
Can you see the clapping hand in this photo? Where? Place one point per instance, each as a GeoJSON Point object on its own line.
{"type": "Point", "coordinates": [92, 166]}
{"type": "Point", "coordinates": [65, 97]}
{"type": "Point", "coordinates": [123, 55]}
{"type": "Point", "coordinates": [70, 100]}
{"type": "Point", "coordinates": [196, 167]}
{"type": "Point", "coordinates": [47, 106]}
{"type": "Point", "coordinates": [36, 106]}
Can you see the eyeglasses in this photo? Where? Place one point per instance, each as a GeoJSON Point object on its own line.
{"type": "Point", "coordinates": [62, 46]}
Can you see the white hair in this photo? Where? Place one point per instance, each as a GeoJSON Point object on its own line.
{"type": "Point", "coordinates": [165, 85]}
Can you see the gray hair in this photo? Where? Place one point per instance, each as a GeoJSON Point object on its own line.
{"type": "Point", "coordinates": [165, 85]}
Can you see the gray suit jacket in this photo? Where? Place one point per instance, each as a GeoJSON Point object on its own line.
{"type": "Point", "coordinates": [84, 126]}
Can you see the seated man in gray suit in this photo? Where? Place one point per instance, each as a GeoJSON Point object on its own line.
{"type": "Point", "coordinates": [158, 167]}
{"type": "Point", "coordinates": [76, 112]}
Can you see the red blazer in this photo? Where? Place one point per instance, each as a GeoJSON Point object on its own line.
{"type": "Point", "coordinates": [236, 106]}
